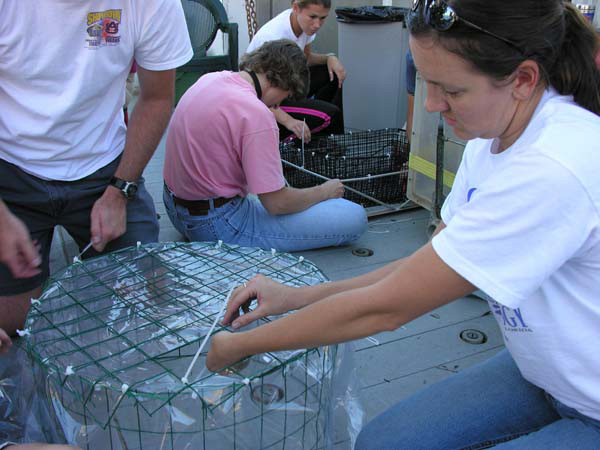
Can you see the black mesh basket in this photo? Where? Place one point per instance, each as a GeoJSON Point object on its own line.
{"type": "Point", "coordinates": [374, 163]}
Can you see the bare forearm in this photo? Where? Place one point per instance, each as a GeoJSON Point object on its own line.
{"type": "Point", "coordinates": [146, 127]}
{"type": "Point", "coordinates": [301, 297]}
{"type": "Point", "coordinates": [316, 59]}
{"type": "Point", "coordinates": [281, 116]}
{"type": "Point", "coordinates": [336, 319]}
{"type": "Point", "coordinates": [291, 200]}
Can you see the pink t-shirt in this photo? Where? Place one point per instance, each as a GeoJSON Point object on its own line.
{"type": "Point", "coordinates": [222, 141]}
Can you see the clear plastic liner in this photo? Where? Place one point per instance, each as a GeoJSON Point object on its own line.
{"type": "Point", "coordinates": [112, 337]}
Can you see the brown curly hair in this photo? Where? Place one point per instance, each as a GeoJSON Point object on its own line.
{"type": "Point", "coordinates": [283, 63]}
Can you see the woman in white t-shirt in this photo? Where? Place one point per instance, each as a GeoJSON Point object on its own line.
{"type": "Point", "coordinates": [322, 111]}
{"type": "Point", "coordinates": [516, 78]}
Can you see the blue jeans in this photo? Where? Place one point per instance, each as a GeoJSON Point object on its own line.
{"type": "Point", "coordinates": [244, 221]}
{"type": "Point", "coordinates": [488, 405]}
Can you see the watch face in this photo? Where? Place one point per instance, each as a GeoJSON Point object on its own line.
{"type": "Point", "coordinates": [130, 190]}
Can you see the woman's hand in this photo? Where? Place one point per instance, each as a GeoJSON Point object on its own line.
{"type": "Point", "coordinates": [332, 189]}
{"type": "Point", "coordinates": [272, 299]}
{"type": "Point", "coordinates": [5, 342]}
{"type": "Point", "coordinates": [335, 66]}
{"type": "Point", "coordinates": [223, 351]}
{"type": "Point", "coordinates": [299, 128]}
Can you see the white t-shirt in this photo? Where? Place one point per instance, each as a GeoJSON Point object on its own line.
{"type": "Point", "coordinates": [523, 225]}
{"type": "Point", "coordinates": [279, 27]}
{"type": "Point", "coordinates": [63, 67]}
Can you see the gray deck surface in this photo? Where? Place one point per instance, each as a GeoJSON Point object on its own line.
{"type": "Point", "coordinates": [391, 365]}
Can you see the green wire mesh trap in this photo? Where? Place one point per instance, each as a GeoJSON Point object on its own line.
{"type": "Point", "coordinates": [114, 335]}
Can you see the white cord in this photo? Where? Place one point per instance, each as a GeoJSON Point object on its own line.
{"type": "Point", "coordinates": [303, 126]}
{"type": "Point", "coordinates": [184, 380]}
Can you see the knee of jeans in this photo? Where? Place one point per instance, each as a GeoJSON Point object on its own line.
{"type": "Point", "coordinates": [356, 220]}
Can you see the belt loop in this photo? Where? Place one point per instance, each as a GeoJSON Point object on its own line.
{"type": "Point", "coordinates": [211, 202]}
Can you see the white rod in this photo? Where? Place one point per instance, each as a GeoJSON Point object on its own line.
{"type": "Point", "coordinates": [184, 380]}
{"type": "Point", "coordinates": [303, 125]}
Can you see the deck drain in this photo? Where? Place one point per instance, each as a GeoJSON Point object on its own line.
{"type": "Point", "coordinates": [267, 393]}
{"type": "Point", "coordinates": [473, 336]}
{"type": "Point", "coordinates": [362, 252]}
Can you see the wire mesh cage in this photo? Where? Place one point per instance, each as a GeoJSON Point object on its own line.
{"type": "Point", "coordinates": [114, 336]}
{"type": "Point", "coordinates": [373, 165]}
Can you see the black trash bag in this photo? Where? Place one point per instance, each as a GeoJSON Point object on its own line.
{"type": "Point", "coordinates": [370, 14]}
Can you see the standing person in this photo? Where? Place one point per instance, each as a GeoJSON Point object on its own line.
{"type": "Point", "coordinates": [411, 82]}
{"type": "Point", "coordinates": [223, 145]}
{"type": "Point", "coordinates": [322, 112]}
{"type": "Point", "coordinates": [66, 157]}
{"type": "Point", "coordinates": [522, 223]}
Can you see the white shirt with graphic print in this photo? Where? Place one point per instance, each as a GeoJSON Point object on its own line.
{"type": "Point", "coordinates": [279, 27]}
{"type": "Point", "coordinates": [63, 67]}
{"type": "Point", "coordinates": [523, 226]}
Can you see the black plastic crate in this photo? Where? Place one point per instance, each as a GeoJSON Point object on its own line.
{"type": "Point", "coordinates": [374, 163]}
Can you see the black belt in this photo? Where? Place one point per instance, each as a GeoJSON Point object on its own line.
{"type": "Point", "coordinates": [198, 207]}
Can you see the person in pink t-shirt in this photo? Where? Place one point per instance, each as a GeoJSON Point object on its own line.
{"type": "Point", "coordinates": [223, 145]}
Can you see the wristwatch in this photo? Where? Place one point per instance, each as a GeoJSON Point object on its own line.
{"type": "Point", "coordinates": [128, 188]}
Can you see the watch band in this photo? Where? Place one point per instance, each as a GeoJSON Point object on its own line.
{"type": "Point", "coordinates": [127, 188]}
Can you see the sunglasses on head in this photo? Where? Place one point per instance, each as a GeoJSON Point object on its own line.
{"type": "Point", "coordinates": [441, 16]}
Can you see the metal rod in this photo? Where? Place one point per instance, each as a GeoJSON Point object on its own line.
{"type": "Point", "coordinates": [371, 177]}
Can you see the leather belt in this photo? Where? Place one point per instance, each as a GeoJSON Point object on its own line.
{"type": "Point", "coordinates": [198, 207]}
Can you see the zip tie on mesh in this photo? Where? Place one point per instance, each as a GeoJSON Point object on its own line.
{"type": "Point", "coordinates": [124, 387]}
{"type": "Point", "coordinates": [35, 302]}
{"type": "Point", "coordinates": [373, 340]}
{"type": "Point", "coordinates": [273, 252]}
{"type": "Point", "coordinates": [219, 243]}
{"type": "Point", "coordinates": [138, 244]}
{"type": "Point", "coordinates": [24, 332]}
{"type": "Point", "coordinates": [185, 379]}
{"type": "Point", "coordinates": [69, 371]}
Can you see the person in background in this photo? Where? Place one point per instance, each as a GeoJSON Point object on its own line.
{"type": "Point", "coordinates": [411, 81]}
{"type": "Point", "coordinates": [322, 112]}
{"type": "Point", "coordinates": [517, 79]}
{"type": "Point", "coordinates": [223, 145]}
{"type": "Point", "coordinates": [66, 157]}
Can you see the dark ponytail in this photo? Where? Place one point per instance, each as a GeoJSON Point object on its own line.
{"type": "Point", "coordinates": [575, 71]}
{"type": "Point", "coordinates": [553, 33]}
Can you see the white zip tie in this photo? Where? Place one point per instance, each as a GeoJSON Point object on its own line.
{"type": "Point", "coordinates": [69, 371]}
{"type": "Point", "coordinates": [138, 244]}
{"type": "Point", "coordinates": [301, 259]}
{"type": "Point", "coordinates": [185, 380]}
{"type": "Point", "coordinates": [273, 252]}
{"type": "Point", "coordinates": [24, 332]}
{"type": "Point", "coordinates": [373, 340]}
{"type": "Point", "coordinates": [35, 302]}
{"type": "Point", "coordinates": [124, 387]}
{"type": "Point", "coordinates": [219, 243]}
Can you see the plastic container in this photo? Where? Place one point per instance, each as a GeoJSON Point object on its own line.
{"type": "Point", "coordinates": [423, 166]}
{"type": "Point", "coordinates": [374, 93]}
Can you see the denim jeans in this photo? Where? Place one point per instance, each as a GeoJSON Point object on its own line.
{"type": "Point", "coordinates": [488, 405]}
{"type": "Point", "coordinates": [244, 221]}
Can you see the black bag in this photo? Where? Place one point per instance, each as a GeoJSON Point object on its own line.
{"type": "Point", "coordinates": [371, 14]}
